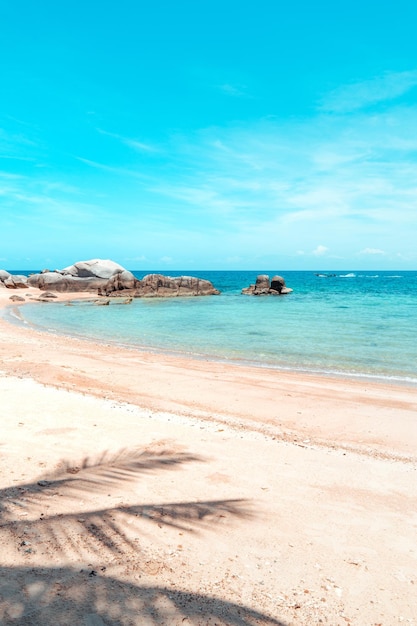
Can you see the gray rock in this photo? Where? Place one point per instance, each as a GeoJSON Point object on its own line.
{"type": "Point", "coordinates": [49, 294]}
{"type": "Point", "coordinates": [95, 268]}
{"type": "Point", "coordinates": [157, 286]}
{"type": "Point", "coordinates": [82, 276]}
{"type": "Point", "coordinates": [120, 281]}
{"type": "Point", "coordinates": [20, 281]}
{"type": "Point", "coordinates": [13, 281]}
{"type": "Point", "coordinates": [264, 286]}
{"type": "Point", "coordinates": [111, 279]}
{"type": "Point", "coordinates": [277, 283]}
{"type": "Point", "coordinates": [103, 302]}
{"type": "Point", "coordinates": [262, 282]}
{"type": "Point", "coordinates": [92, 619]}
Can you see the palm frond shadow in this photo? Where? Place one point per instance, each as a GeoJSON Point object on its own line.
{"type": "Point", "coordinates": [112, 529]}
{"type": "Point", "coordinates": [66, 596]}
{"type": "Point", "coordinates": [90, 475]}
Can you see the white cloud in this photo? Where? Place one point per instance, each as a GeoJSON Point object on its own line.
{"type": "Point", "coordinates": [142, 257]}
{"type": "Point", "coordinates": [362, 94]}
{"type": "Point", "coordinates": [140, 146]}
{"type": "Point", "coordinates": [259, 190]}
{"type": "Point", "coordinates": [238, 91]}
{"type": "Point", "coordinates": [320, 251]}
{"type": "Point", "coordinates": [350, 179]}
{"type": "Point", "coordinates": [372, 251]}
{"type": "Point", "coordinates": [120, 171]}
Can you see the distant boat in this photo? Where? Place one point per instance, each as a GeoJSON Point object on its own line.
{"type": "Point", "coordinates": [326, 275]}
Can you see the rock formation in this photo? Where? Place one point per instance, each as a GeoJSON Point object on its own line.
{"type": "Point", "coordinates": [110, 279]}
{"type": "Point", "coordinates": [157, 285]}
{"type": "Point", "coordinates": [263, 286]}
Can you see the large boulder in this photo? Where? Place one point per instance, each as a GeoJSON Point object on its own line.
{"type": "Point", "coordinates": [158, 285]}
{"type": "Point", "coordinates": [264, 286]}
{"type": "Point", "coordinates": [4, 274]}
{"type": "Point", "coordinates": [82, 276]}
{"type": "Point", "coordinates": [278, 284]}
{"type": "Point", "coordinates": [96, 268]}
{"type": "Point", "coordinates": [118, 282]}
{"type": "Point", "coordinates": [13, 281]}
{"type": "Point", "coordinates": [53, 281]}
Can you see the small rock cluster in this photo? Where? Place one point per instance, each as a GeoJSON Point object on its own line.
{"type": "Point", "coordinates": [264, 287]}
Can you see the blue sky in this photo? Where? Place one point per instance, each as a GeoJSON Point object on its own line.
{"type": "Point", "coordinates": [209, 135]}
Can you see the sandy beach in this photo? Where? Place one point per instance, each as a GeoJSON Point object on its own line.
{"type": "Point", "coordinates": [141, 488]}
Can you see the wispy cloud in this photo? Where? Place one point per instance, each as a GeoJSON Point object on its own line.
{"type": "Point", "coordinates": [260, 190]}
{"type": "Point", "coordinates": [139, 146]}
{"type": "Point", "coordinates": [363, 94]}
{"type": "Point", "coordinates": [237, 91]}
{"type": "Point", "coordinates": [372, 251]}
{"type": "Point", "coordinates": [18, 146]}
{"type": "Point", "coordinates": [352, 179]}
{"type": "Point", "coordinates": [140, 258]}
{"type": "Point", "coordinates": [119, 171]}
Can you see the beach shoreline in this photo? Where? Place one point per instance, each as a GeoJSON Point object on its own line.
{"type": "Point", "coordinates": [288, 404]}
{"type": "Point", "coordinates": [328, 463]}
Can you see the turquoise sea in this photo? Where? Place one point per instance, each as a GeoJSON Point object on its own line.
{"type": "Point", "coordinates": [352, 324]}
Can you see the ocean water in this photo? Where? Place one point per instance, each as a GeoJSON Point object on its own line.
{"type": "Point", "coordinates": [352, 324]}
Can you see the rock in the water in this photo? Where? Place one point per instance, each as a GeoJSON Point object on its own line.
{"type": "Point", "coordinates": [264, 286]}
{"type": "Point", "coordinates": [108, 278]}
{"type": "Point", "coordinates": [158, 285]}
{"type": "Point", "coordinates": [103, 302]}
{"type": "Point", "coordinates": [278, 284]}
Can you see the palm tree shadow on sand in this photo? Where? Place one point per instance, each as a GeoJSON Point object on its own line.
{"type": "Point", "coordinates": [42, 596]}
{"type": "Point", "coordinates": [109, 529]}
{"type": "Point", "coordinates": [66, 597]}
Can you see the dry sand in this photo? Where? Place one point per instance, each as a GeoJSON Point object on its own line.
{"type": "Point", "coordinates": [146, 489]}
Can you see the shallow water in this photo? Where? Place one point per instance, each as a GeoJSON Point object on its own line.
{"type": "Point", "coordinates": [352, 324]}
